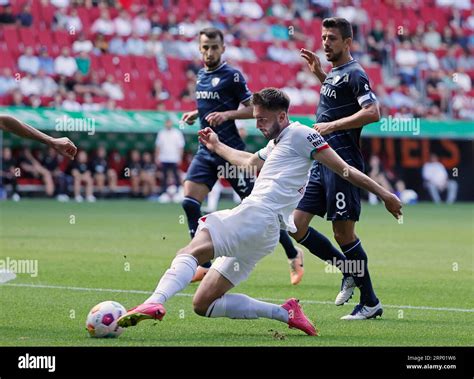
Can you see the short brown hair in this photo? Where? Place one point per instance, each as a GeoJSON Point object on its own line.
{"type": "Point", "coordinates": [211, 33]}
{"type": "Point", "coordinates": [341, 24]}
{"type": "Point", "coordinates": [272, 99]}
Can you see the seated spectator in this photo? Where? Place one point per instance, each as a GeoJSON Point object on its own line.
{"type": "Point", "coordinates": [117, 46]}
{"type": "Point", "coordinates": [103, 25]}
{"type": "Point", "coordinates": [82, 45]}
{"type": "Point", "coordinates": [135, 45]}
{"type": "Point", "coordinates": [148, 175]}
{"type": "Point", "coordinates": [92, 85]}
{"type": "Point", "coordinates": [47, 85]}
{"type": "Point", "coordinates": [278, 53]}
{"type": "Point", "coordinates": [306, 76]}
{"type": "Point", "coordinates": [60, 3]}
{"type": "Point", "coordinates": [155, 23]}
{"type": "Point", "coordinates": [65, 64]}
{"type": "Point", "coordinates": [407, 60]}
{"type": "Point", "coordinates": [70, 104]}
{"type": "Point", "coordinates": [437, 181]}
{"type": "Point", "coordinates": [378, 175]}
{"type": "Point", "coordinates": [449, 62]}
{"type": "Point", "coordinates": [51, 162]}
{"type": "Point", "coordinates": [123, 24]}
{"type": "Point", "coordinates": [57, 102]}
{"type": "Point", "coordinates": [90, 105]}
{"type": "Point", "coordinates": [189, 93]}
{"type": "Point", "coordinates": [7, 82]}
{"type": "Point", "coordinates": [29, 62]}
{"type": "Point", "coordinates": [158, 92]}
{"type": "Point", "coordinates": [82, 175]}
{"type": "Point", "coordinates": [431, 38]}
{"type": "Point", "coordinates": [25, 18]}
{"type": "Point", "coordinates": [17, 99]}
{"type": "Point", "coordinates": [466, 61]}
{"type": "Point", "coordinates": [31, 167]}
{"type": "Point", "coordinates": [463, 105]}
{"type": "Point", "coordinates": [112, 88]}
{"type": "Point", "coordinates": [46, 63]}
{"type": "Point", "coordinates": [73, 23]}
{"type": "Point", "coordinates": [376, 43]}
{"type": "Point", "coordinates": [463, 80]}
{"type": "Point", "coordinates": [9, 173]}
{"type": "Point", "coordinates": [7, 16]}
{"type": "Point", "coordinates": [83, 63]}
{"type": "Point", "coordinates": [132, 171]}
{"type": "Point", "coordinates": [141, 24]}
{"type": "Point", "coordinates": [30, 85]}
{"type": "Point", "coordinates": [103, 174]}
{"type": "Point", "coordinates": [100, 44]}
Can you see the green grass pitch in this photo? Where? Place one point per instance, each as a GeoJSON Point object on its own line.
{"type": "Point", "coordinates": [422, 271]}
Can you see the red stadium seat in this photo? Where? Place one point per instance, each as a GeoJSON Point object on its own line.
{"type": "Point", "coordinates": [28, 37]}
{"type": "Point", "coordinates": [12, 40]}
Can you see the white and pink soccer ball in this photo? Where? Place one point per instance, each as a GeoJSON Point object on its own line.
{"type": "Point", "coordinates": [102, 320]}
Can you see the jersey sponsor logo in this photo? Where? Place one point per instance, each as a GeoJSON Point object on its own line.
{"type": "Point", "coordinates": [328, 91]}
{"type": "Point", "coordinates": [215, 81]}
{"type": "Point", "coordinates": [207, 95]}
{"type": "Point", "coordinates": [316, 139]}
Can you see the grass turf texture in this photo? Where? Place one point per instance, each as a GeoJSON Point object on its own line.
{"type": "Point", "coordinates": [127, 245]}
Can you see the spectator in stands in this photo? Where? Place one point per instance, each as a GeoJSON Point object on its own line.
{"type": "Point", "coordinates": [376, 43]}
{"type": "Point", "coordinates": [306, 76]}
{"type": "Point", "coordinates": [7, 82]}
{"type": "Point", "coordinates": [57, 102]}
{"type": "Point", "coordinates": [171, 25]}
{"type": "Point", "coordinates": [29, 62]}
{"type": "Point", "coordinates": [74, 23]}
{"type": "Point", "coordinates": [407, 60]}
{"type": "Point", "coordinates": [89, 104]}
{"type": "Point", "coordinates": [82, 175]}
{"type": "Point", "coordinates": [34, 101]}
{"type": "Point", "coordinates": [70, 103]}
{"type": "Point", "coordinates": [9, 171]}
{"type": "Point", "coordinates": [132, 170]}
{"type": "Point", "coordinates": [29, 85]}
{"type": "Point", "coordinates": [435, 89]}
{"type": "Point", "coordinates": [310, 96]}
{"type": "Point", "coordinates": [277, 9]}
{"type": "Point", "coordinates": [83, 63]}
{"type": "Point", "coordinates": [463, 80]}
{"type": "Point", "coordinates": [141, 24]}
{"type": "Point", "coordinates": [46, 63]}
{"type": "Point", "coordinates": [437, 181]}
{"type": "Point", "coordinates": [7, 16]}
{"type": "Point", "coordinates": [123, 24]}
{"type": "Point", "coordinates": [432, 38]}
{"type": "Point", "coordinates": [135, 45]}
{"type": "Point", "coordinates": [169, 148]}
{"type": "Point", "coordinates": [449, 62]}
{"type": "Point", "coordinates": [158, 92]}
{"type": "Point", "coordinates": [60, 3]}
{"type": "Point", "coordinates": [278, 53]}
{"type": "Point", "coordinates": [148, 175]}
{"type": "Point", "coordinates": [31, 167]}
{"type": "Point", "coordinates": [112, 88]}
{"type": "Point", "coordinates": [17, 99]}
{"type": "Point", "coordinates": [51, 162]}
{"type": "Point", "coordinates": [25, 18]}
{"type": "Point", "coordinates": [463, 105]}
{"type": "Point", "coordinates": [155, 23]}
{"type": "Point", "coordinates": [103, 174]}
{"type": "Point", "coordinates": [82, 44]}
{"type": "Point", "coordinates": [466, 61]}
{"type": "Point", "coordinates": [103, 25]}
{"type": "Point", "coordinates": [189, 93]}
{"type": "Point", "coordinates": [65, 64]}
{"type": "Point", "coordinates": [60, 19]}
{"type": "Point", "coordinates": [378, 175]}
{"type": "Point", "coordinates": [48, 87]}
{"type": "Point", "coordinates": [117, 46]}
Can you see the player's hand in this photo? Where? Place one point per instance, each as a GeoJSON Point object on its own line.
{"type": "Point", "coordinates": [64, 146]}
{"type": "Point", "coordinates": [189, 117]}
{"type": "Point", "coordinates": [216, 118]}
{"type": "Point", "coordinates": [313, 61]}
{"type": "Point", "coordinates": [393, 205]}
{"type": "Point", "coordinates": [208, 138]}
{"type": "Point", "coordinates": [324, 128]}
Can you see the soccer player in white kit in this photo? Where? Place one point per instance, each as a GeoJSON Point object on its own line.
{"type": "Point", "coordinates": [240, 237]}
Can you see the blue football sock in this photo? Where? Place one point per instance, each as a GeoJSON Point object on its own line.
{"type": "Point", "coordinates": [192, 208]}
{"type": "Point", "coordinates": [285, 241]}
{"type": "Point", "coordinates": [320, 246]}
{"type": "Point", "coordinates": [359, 269]}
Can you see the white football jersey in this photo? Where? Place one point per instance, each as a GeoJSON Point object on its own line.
{"type": "Point", "coordinates": [284, 175]}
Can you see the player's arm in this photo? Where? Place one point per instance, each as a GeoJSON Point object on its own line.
{"type": "Point", "coordinates": [244, 113]}
{"type": "Point", "coordinates": [236, 157]}
{"type": "Point", "coordinates": [366, 115]}
{"type": "Point", "coordinates": [334, 162]}
{"type": "Point", "coordinates": [62, 145]}
{"type": "Point", "coordinates": [314, 64]}
{"type": "Point", "coordinates": [190, 117]}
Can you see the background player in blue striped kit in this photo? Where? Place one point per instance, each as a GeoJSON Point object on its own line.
{"type": "Point", "coordinates": [220, 89]}
{"type": "Point", "coordinates": [347, 104]}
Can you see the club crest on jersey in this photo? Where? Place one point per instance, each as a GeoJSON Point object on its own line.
{"type": "Point", "coordinates": [215, 81]}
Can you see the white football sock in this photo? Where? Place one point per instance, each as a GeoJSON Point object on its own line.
{"type": "Point", "coordinates": [175, 279]}
{"type": "Point", "coordinates": [236, 305]}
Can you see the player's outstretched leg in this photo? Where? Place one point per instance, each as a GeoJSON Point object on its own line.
{"type": "Point", "coordinates": [175, 279]}
{"type": "Point", "coordinates": [295, 257]}
{"type": "Point", "coordinates": [211, 300]}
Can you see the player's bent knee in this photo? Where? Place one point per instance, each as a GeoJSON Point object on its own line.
{"type": "Point", "coordinates": [201, 305]}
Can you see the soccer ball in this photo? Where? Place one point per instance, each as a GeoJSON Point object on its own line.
{"type": "Point", "coordinates": [102, 320]}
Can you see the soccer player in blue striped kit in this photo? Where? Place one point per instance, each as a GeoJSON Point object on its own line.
{"type": "Point", "coordinates": [347, 103]}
